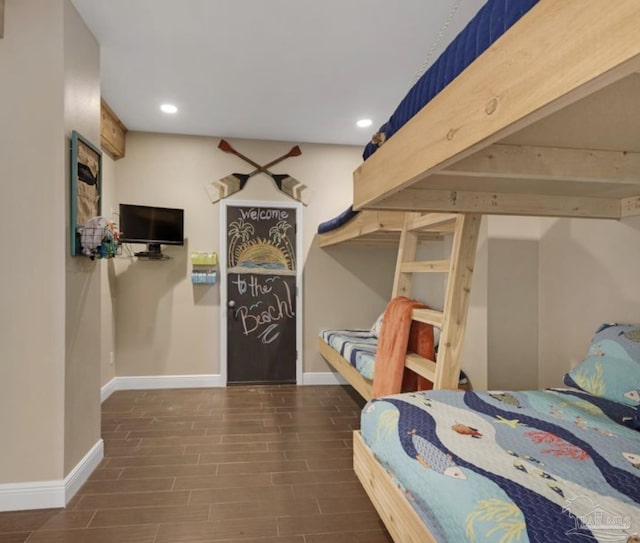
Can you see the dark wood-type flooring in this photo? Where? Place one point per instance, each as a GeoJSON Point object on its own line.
{"type": "Point", "coordinates": [270, 464]}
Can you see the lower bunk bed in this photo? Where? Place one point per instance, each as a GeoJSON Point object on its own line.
{"type": "Point", "coordinates": [352, 353]}
{"type": "Point", "coordinates": [509, 467]}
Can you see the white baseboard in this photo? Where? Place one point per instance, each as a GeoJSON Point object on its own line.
{"type": "Point", "coordinates": [108, 389]}
{"type": "Point", "coordinates": [83, 469]}
{"type": "Point", "coordinates": [50, 494]}
{"type": "Point", "coordinates": [323, 378]}
{"type": "Point", "coordinates": [36, 495]}
{"type": "Point", "coordinates": [148, 382]}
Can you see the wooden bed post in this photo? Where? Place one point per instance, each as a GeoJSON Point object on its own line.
{"type": "Point", "coordinates": [456, 304]}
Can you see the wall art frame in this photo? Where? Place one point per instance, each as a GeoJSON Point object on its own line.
{"type": "Point", "coordinates": [86, 186]}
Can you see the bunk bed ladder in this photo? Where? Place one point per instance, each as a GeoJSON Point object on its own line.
{"type": "Point", "coordinates": [445, 372]}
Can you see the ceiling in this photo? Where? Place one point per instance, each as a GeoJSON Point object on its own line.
{"type": "Point", "coordinates": [293, 70]}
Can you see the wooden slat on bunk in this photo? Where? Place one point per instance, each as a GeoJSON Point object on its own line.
{"type": "Point", "coordinates": [497, 99]}
{"type": "Point", "coordinates": [383, 229]}
{"type": "Point", "coordinates": [428, 316]}
{"type": "Point", "coordinates": [456, 302]}
{"type": "Point", "coordinates": [425, 266]}
{"type": "Point", "coordinates": [422, 366]}
{"type": "Point", "coordinates": [440, 222]}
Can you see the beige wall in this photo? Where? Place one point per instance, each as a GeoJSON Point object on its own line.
{"type": "Point", "coordinates": [474, 350]}
{"type": "Point", "coordinates": [167, 326]}
{"type": "Point", "coordinates": [32, 195]}
{"type": "Point", "coordinates": [83, 276]}
{"type": "Point", "coordinates": [49, 376]}
{"type": "Point", "coordinates": [588, 275]}
{"type": "Point", "coordinates": [512, 316]}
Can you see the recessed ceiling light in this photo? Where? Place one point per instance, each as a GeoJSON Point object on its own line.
{"type": "Point", "coordinates": [169, 108]}
{"type": "Point", "coordinates": [364, 123]}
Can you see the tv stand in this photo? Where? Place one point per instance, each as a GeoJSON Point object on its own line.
{"type": "Point", "coordinates": [153, 252]}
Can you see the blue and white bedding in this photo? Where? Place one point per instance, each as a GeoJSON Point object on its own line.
{"type": "Point", "coordinates": [491, 22]}
{"type": "Point", "coordinates": [356, 346]}
{"type": "Point", "coordinates": [337, 222]}
{"type": "Point", "coordinates": [511, 467]}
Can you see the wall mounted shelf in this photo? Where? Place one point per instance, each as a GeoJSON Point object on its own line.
{"type": "Point", "coordinates": [204, 268]}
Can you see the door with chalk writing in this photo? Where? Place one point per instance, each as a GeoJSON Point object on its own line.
{"type": "Point", "coordinates": [261, 294]}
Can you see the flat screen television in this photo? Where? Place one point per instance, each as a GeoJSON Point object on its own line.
{"type": "Point", "coordinates": [154, 226]}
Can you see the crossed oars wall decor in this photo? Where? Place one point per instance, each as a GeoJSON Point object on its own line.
{"type": "Point", "coordinates": [235, 182]}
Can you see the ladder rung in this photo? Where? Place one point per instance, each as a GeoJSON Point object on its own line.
{"type": "Point", "coordinates": [422, 366]}
{"type": "Point", "coordinates": [426, 266]}
{"type": "Point", "coordinates": [428, 316]}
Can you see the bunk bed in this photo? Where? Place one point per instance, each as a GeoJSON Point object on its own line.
{"type": "Point", "coordinates": [544, 122]}
{"type": "Point", "coordinates": [353, 352]}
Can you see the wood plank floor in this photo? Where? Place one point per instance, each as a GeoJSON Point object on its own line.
{"type": "Point", "coordinates": [266, 464]}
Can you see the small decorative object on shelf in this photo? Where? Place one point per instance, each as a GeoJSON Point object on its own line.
{"type": "Point", "coordinates": [98, 238]}
{"type": "Point", "coordinates": [204, 268]}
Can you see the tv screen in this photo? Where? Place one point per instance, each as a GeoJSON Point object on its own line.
{"type": "Point", "coordinates": [151, 225]}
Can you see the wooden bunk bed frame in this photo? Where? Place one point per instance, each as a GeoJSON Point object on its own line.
{"type": "Point", "coordinates": [546, 122]}
{"type": "Point", "coordinates": [380, 229]}
{"type": "Point", "coordinates": [444, 372]}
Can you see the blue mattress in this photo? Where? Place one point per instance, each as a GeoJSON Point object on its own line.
{"type": "Point", "coordinates": [496, 467]}
{"type": "Point", "coordinates": [493, 20]}
{"type": "Point", "coordinates": [338, 221]}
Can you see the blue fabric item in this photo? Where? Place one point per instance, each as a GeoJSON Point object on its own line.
{"type": "Point", "coordinates": [356, 346]}
{"type": "Point", "coordinates": [521, 466]}
{"type": "Point", "coordinates": [338, 221]}
{"type": "Point", "coordinates": [611, 369]}
{"type": "Point", "coordinates": [493, 20]}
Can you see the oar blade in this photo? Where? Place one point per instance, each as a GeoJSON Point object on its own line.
{"type": "Point", "coordinates": [292, 187]}
{"type": "Point", "coordinates": [232, 183]}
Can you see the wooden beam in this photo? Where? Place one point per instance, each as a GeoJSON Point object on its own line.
{"type": "Point", "coordinates": [440, 222]}
{"type": "Point", "coordinates": [113, 133]}
{"type": "Point", "coordinates": [492, 203]}
{"type": "Point", "coordinates": [1, 19]}
{"type": "Point", "coordinates": [422, 366]}
{"type": "Point", "coordinates": [631, 206]}
{"type": "Point", "coordinates": [363, 224]}
{"type": "Point", "coordinates": [428, 316]}
{"type": "Point", "coordinates": [549, 163]}
{"type": "Point", "coordinates": [511, 85]}
{"type": "Point", "coordinates": [456, 304]}
{"type": "Point", "coordinates": [426, 266]}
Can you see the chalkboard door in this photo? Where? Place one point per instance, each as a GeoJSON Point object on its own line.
{"type": "Point", "coordinates": [261, 295]}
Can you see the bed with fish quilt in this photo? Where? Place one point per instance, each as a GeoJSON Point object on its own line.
{"type": "Point", "coordinates": [504, 467]}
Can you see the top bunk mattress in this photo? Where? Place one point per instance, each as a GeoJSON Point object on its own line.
{"type": "Point", "coordinates": [491, 22]}
{"type": "Point", "coordinates": [511, 466]}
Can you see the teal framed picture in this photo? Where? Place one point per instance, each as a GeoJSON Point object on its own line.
{"type": "Point", "coordinates": [86, 187]}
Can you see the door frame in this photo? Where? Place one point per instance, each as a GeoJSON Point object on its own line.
{"type": "Point", "coordinates": [222, 263]}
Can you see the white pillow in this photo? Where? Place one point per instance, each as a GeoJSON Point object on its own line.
{"type": "Point", "coordinates": [377, 325]}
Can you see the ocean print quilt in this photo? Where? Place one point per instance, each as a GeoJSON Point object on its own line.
{"type": "Point", "coordinates": [512, 467]}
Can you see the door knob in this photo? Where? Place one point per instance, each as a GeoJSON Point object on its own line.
{"type": "Point", "coordinates": [231, 304]}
